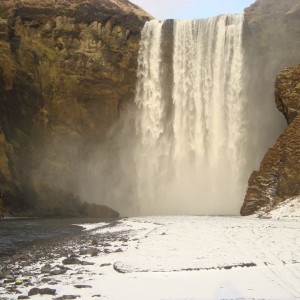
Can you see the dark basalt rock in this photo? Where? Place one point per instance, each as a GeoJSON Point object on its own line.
{"type": "Point", "coordinates": [82, 286]}
{"type": "Point", "coordinates": [33, 291]}
{"type": "Point", "coordinates": [98, 211]}
{"type": "Point", "coordinates": [43, 291]}
{"type": "Point", "coordinates": [67, 297]}
{"type": "Point", "coordinates": [47, 291]}
{"type": "Point", "coordinates": [46, 268]}
{"type": "Point", "coordinates": [71, 261]}
{"type": "Point", "coordinates": [58, 271]}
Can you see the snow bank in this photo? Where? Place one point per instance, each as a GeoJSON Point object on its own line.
{"type": "Point", "coordinates": [287, 210]}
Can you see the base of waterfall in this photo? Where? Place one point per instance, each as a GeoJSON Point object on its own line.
{"type": "Point", "coordinates": [171, 257]}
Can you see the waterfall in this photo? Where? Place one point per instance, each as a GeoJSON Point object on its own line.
{"type": "Point", "coordinates": [189, 153]}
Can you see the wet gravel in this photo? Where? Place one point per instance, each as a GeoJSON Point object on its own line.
{"type": "Point", "coordinates": [41, 259]}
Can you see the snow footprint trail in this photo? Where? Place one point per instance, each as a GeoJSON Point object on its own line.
{"type": "Point", "coordinates": [211, 243]}
{"type": "Point", "coordinates": [179, 245]}
{"type": "Point", "coordinates": [271, 252]}
{"type": "Point", "coordinates": [281, 263]}
{"type": "Point", "coordinates": [211, 248]}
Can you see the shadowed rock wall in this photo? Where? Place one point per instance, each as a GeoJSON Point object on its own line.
{"type": "Point", "coordinates": [66, 68]}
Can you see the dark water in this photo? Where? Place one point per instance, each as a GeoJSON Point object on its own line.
{"type": "Point", "coordinates": [18, 233]}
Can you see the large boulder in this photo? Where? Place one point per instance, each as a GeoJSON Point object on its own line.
{"type": "Point", "coordinates": [92, 210]}
{"type": "Point", "coordinates": [67, 69]}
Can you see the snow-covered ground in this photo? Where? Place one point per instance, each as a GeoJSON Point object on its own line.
{"type": "Point", "coordinates": [184, 257]}
{"type": "Point", "coordinates": [289, 210]}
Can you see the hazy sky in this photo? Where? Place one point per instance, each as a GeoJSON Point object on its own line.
{"type": "Point", "coordinates": [191, 9]}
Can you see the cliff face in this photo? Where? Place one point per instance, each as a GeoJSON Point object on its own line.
{"type": "Point", "coordinates": [271, 35]}
{"type": "Point", "coordinates": [279, 175]}
{"type": "Point", "coordinates": [66, 70]}
{"type": "Point", "coordinates": [271, 42]}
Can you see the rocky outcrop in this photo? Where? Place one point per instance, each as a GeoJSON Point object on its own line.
{"type": "Point", "coordinates": [98, 211]}
{"type": "Point", "coordinates": [278, 178]}
{"type": "Point", "coordinates": [287, 93]}
{"type": "Point", "coordinates": [271, 43]}
{"type": "Point", "coordinates": [67, 68]}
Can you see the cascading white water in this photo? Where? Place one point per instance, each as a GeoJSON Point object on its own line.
{"type": "Point", "coordinates": [191, 160]}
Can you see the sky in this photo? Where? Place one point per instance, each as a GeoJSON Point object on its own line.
{"type": "Point", "coordinates": [191, 9]}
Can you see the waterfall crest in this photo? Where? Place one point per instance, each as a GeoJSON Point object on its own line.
{"type": "Point", "coordinates": [189, 152]}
